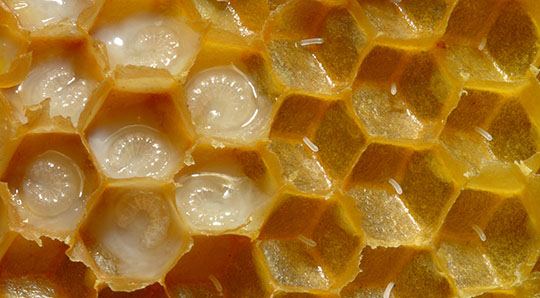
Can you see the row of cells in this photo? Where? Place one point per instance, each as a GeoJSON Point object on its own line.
{"type": "Point", "coordinates": [306, 244]}
{"type": "Point", "coordinates": [57, 185]}
{"type": "Point", "coordinates": [312, 45]}
{"type": "Point", "coordinates": [399, 92]}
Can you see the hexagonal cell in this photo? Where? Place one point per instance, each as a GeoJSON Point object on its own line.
{"type": "Point", "coordinates": [66, 70]}
{"type": "Point", "coordinates": [469, 63]}
{"type": "Point", "coordinates": [229, 93]}
{"type": "Point", "coordinates": [148, 34]}
{"type": "Point", "coordinates": [132, 236]}
{"type": "Point", "coordinates": [488, 126]}
{"type": "Point", "coordinates": [464, 40]}
{"type": "Point", "coordinates": [487, 240]}
{"type": "Point", "coordinates": [309, 243]}
{"type": "Point", "coordinates": [297, 116]}
{"type": "Point", "coordinates": [300, 166]}
{"type": "Point", "coordinates": [14, 59]}
{"type": "Point", "coordinates": [401, 94]}
{"type": "Point", "coordinates": [151, 291]}
{"type": "Point", "coordinates": [50, 178]}
{"type": "Point", "coordinates": [401, 194]}
{"type": "Point", "coordinates": [36, 15]}
{"type": "Point", "coordinates": [514, 136]}
{"type": "Point", "coordinates": [138, 135]}
{"type": "Point", "coordinates": [314, 45]}
{"type": "Point", "coordinates": [28, 270]}
{"type": "Point", "coordinates": [245, 18]}
{"type": "Point", "coordinates": [224, 190]}
{"type": "Point", "coordinates": [481, 44]}
{"type": "Point", "coordinates": [407, 19]}
{"type": "Point", "coordinates": [218, 266]}
{"type": "Point", "coordinates": [338, 138]}
{"type": "Point", "coordinates": [469, 17]}
{"type": "Point", "coordinates": [398, 272]}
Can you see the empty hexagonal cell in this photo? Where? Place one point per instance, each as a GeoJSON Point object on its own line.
{"type": "Point", "coordinates": [50, 178]}
{"type": "Point", "coordinates": [309, 243]}
{"type": "Point", "coordinates": [408, 18]}
{"type": "Point", "coordinates": [487, 126]}
{"type": "Point", "coordinates": [401, 194]}
{"type": "Point", "coordinates": [151, 291]}
{"type": "Point", "coordinates": [148, 34]}
{"type": "Point", "coordinates": [138, 135]}
{"type": "Point", "coordinates": [484, 46]}
{"type": "Point", "coordinates": [424, 86]}
{"type": "Point", "coordinates": [132, 236]}
{"type": "Point", "coordinates": [218, 266]}
{"type": "Point", "coordinates": [515, 137]}
{"type": "Point", "coordinates": [490, 234]}
{"type": "Point", "coordinates": [66, 71]}
{"type": "Point", "coordinates": [468, 17]}
{"type": "Point", "coordinates": [338, 138]}
{"type": "Point", "coordinates": [224, 190]}
{"type": "Point", "coordinates": [512, 40]}
{"type": "Point", "coordinates": [35, 15]}
{"type": "Point", "coordinates": [29, 270]}
{"type": "Point", "coordinates": [14, 59]}
{"type": "Point", "coordinates": [300, 166]}
{"type": "Point", "coordinates": [245, 18]}
{"type": "Point", "coordinates": [400, 94]}
{"type": "Point", "coordinates": [297, 116]}
{"type": "Point", "coordinates": [314, 45]}
{"type": "Point", "coordinates": [229, 93]}
{"type": "Point", "coordinates": [398, 272]}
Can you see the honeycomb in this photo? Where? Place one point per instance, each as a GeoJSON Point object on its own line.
{"type": "Point", "coordinates": [280, 148]}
